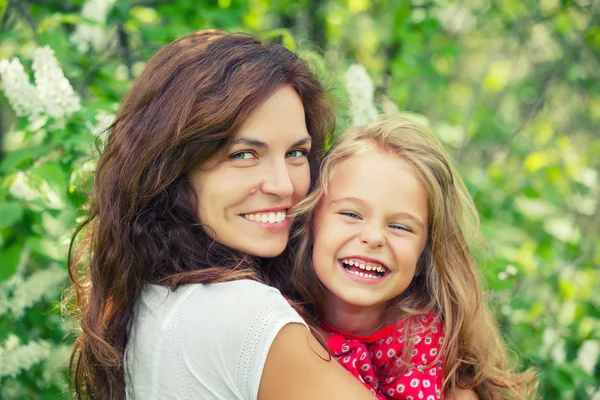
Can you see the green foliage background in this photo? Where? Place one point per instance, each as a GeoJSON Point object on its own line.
{"type": "Point", "coordinates": [510, 86]}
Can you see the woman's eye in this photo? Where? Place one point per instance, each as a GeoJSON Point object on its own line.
{"type": "Point", "coordinates": [297, 153]}
{"type": "Point", "coordinates": [242, 155]}
{"type": "Point", "coordinates": [350, 214]}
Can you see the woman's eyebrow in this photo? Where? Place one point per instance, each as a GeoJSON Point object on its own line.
{"type": "Point", "coordinates": [263, 145]}
{"type": "Point", "coordinates": [302, 142]}
{"type": "Point", "coordinates": [251, 142]}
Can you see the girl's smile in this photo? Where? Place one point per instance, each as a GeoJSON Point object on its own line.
{"type": "Point", "coordinates": [369, 232]}
{"type": "Point", "coordinates": [364, 269]}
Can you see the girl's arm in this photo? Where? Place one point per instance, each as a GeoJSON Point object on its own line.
{"type": "Point", "coordinates": [297, 368]}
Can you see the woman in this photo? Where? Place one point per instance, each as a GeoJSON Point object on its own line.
{"type": "Point", "coordinates": [213, 144]}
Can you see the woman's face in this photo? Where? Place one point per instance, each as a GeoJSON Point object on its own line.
{"type": "Point", "coordinates": [244, 197]}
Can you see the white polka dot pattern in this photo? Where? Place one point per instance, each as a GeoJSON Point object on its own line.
{"type": "Point", "coordinates": [376, 360]}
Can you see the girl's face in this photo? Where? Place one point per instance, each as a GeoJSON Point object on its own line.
{"type": "Point", "coordinates": [369, 231]}
{"type": "Point", "coordinates": [243, 198]}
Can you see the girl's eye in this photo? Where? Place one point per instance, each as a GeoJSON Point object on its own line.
{"type": "Point", "coordinates": [243, 155]}
{"type": "Point", "coordinates": [297, 153]}
{"type": "Point", "coordinates": [401, 227]}
{"type": "Point", "coordinates": [350, 214]}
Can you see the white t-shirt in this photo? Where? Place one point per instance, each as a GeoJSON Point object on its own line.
{"type": "Point", "coordinates": [203, 342]}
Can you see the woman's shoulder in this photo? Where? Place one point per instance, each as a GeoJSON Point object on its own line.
{"type": "Point", "coordinates": [233, 299]}
{"type": "Point", "coordinates": [240, 294]}
{"type": "Point", "coordinates": [243, 288]}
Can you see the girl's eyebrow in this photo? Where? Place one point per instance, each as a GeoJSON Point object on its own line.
{"type": "Point", "coordinates": [263, 145]}
{"type": "Point", "coordinates": [350, 199]}
{"type": "Point", "coordinates": [411, 217]}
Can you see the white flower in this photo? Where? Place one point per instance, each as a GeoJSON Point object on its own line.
{"type": "Point", "coordinates": [16, 358]}
{"type": "Point", "coordinates": [511, 270]}
{"type": "Point", "coordinates": [21, 94]}
{"type": "Point", "coordinates": [104, 120]}
{"type": "Point", "coordinates": [360, 89]}
{"type": "Point", "coordinates": [587, 357]}
{"type": "Point", "coordinates": [55, 365]}
{"type": "Point", "coordinates": [54, 89]}
{"type": "Point", "coordinates": [21, 187]}
{"type": "Point", "coordinates": [88, 35]}
{"type": "Point", "coordinates": [457, 18]}
{"type": "Point", "coordinates": [24, 293]}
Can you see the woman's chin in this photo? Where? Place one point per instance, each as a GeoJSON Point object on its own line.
{"type": "Point", "coordinates": [266, 249]}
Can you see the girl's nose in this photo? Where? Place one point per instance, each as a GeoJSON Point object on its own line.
{"type": "Point", "coordinates": [372, 236]}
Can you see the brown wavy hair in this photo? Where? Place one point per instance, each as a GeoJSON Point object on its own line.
{"type": "Point", "coordinates": [448, 281]}
{"type": "Point", "coordinates": [142, 225]}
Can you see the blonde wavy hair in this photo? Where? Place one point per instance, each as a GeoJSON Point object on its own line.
{"type": "Point", "coordinates": [448, 281]}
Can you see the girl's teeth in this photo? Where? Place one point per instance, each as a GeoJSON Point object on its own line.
{"type": "Point", "coordinates": [365, 267]}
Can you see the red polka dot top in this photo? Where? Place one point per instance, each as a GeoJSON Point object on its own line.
{"type": "Point", "coordinates": [376, 359]}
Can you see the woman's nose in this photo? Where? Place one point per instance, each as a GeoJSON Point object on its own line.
{"type": "Point", "coordinates": [277, 180]}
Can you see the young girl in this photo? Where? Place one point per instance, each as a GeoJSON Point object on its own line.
{"type": "Point", "coordinates": [386, 273]}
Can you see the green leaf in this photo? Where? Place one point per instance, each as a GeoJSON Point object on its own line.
{"type": "Point", "coordinates": [54, 193]}
{"type": "Point", "coordinates": [16, 159]}
{"type": "Point", "coordinates": [284, 35]}
{"type": "Point", "coordinates": [3, 4]}
{"type": "Point", "coordinates": [45, 247]}
{"type": "Point", "coordinates": [562, 378]}
{"type": "Point", "coordinates": [10, 213]}
{"type": "Point", "coordinates": [563, 229]}
{"type": "Point", "coordinates": [9, 260]}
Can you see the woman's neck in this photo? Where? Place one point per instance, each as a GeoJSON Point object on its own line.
{"type": "Point", "coordinates": [357, 320]}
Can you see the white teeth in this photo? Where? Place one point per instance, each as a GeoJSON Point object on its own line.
{"type": "Point", "coordinates": [270, 218]}
{"type": "Point", "coordinates": [366, 267]}
{"type": "Point", "coordinates": [362, 274]}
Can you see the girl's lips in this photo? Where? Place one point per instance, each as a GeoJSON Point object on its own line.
{"type": "Point", "coordinates": [362, 279]}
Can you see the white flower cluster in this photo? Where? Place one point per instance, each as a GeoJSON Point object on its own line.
{"type": "Point", "coordinates": [103, 122]}
{"type": "Point", "coordinates": [15, 357]}
{"type": "Point", "coordinates": [88, 35]}
{"type": "Point", "coordinates": [54, 89]}
{"type": "Point", "coordinates": [360, 88]}
{"type": "Point", "coordinates": [456, 18]}
{"type": "Point", "coordinates": [52, 94]}
{"type": "Point", "coordinates": [19, 294]}
{"type": "Point", "coordinates": [589, 355]}
{"type": "Point", "coordinates": [21, 94]}
{"type": "Point", "coordinates": [55, 365]}
{"type": "Point", "coordinates": [508, 272]}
